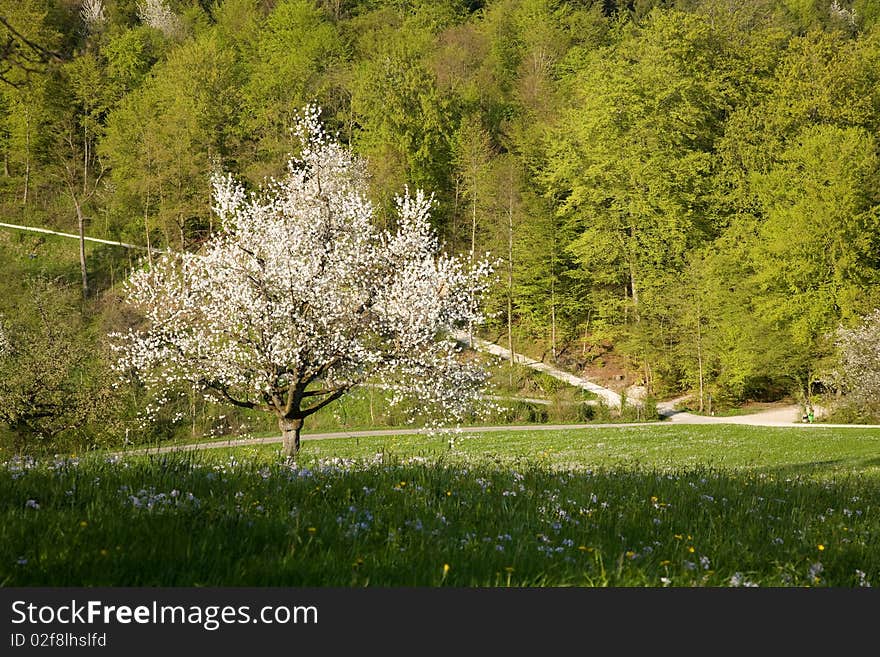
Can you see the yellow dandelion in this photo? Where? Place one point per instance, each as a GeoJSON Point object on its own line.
{"type": "Point", "coordinates": [665, 562]}
{"type": "Point", "coordinates": [583, 548]}
{"type": "Point", "coordinates": [508, 569]}
{"type": "Point", "coordinates": [630, 554]}
{"type": "Point", "coordinates": [311, 530]}
{"type": "Point", "coordinates": [445, 569]}
{"type": "Point", "coordinates": [654, 499]}
{"type": "Point", "coordinates": [403, 483]}
{"type": "Point", "coordinates": [83, 523]}
{"type": "Point", "coordinates": [448, 493]}
{"type": "Point", "coordinates": [691, 549]}
{"type": "Point", "coordinates": [821, 547]}
{"type": "Point", "coordinates": [678, 537]}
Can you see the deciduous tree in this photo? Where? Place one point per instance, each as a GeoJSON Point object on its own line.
{"type": "Point", "coordinates": [300, 297]}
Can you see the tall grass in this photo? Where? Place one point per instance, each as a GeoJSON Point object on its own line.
{"type": "Point", "coordinates": [459, 517]}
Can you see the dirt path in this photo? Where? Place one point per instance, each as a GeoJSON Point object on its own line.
{"type": "Point", "coordinates": [789, 415]}
{"type": "Point", "coordinates": [610, 396]}
{"type": "Point", "coordinates": [781, 417]}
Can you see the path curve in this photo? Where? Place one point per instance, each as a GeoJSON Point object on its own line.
{"type": "Point", "coordinates": [610, 396]}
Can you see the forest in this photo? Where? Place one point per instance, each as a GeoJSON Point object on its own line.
{"type": "Point", "coordinates": [688, 190]}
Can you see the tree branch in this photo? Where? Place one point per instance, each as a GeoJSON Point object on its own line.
{"type": "Point", "coordinates": [332, 398]}
{"type": "Point", "coordinates": [223, 390]}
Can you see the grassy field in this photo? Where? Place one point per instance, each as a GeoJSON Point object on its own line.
{"type": "Point", "coordinates": [629, 506]}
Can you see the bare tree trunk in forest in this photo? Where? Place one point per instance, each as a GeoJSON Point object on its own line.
{"type": "Point", "coordinates": [27, 158]}
{"type": "Point", "coordinates": [81, 222]}
{"type": "Point", "coordinates": [510, 283]}
{"type": "Point", "coordinates": [473, 251]}
{"type": "Point", "coordinates": [700, 353]}
{"type": "Point", "coordinates": [634, 289]}
{"type": "Point", "coordinates": [85, 161]}
{"type": "Point", "coordinates": [147, 231]}
{"type": "Point", "coordinates": [454, 234]}
{"type": "Point", "coordinates": [553, 319]}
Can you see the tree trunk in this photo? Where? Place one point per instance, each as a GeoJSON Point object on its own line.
{"type": "Point", "coordinates": [700, 356]}
{"type": "Point", "coordinates": [147, 232]}
{"type": "Point", "coordinates": [510, 285]}
{"type": "Point", "coordinates": [27, 158]}
{"type": "Point", "coordinates": [85, 161]}
{"type": "Point", "coordinates": [553, 320]}
{"type": "Point", "coordinates": [473, 250]}
{"type": "Point", "coordinates": [290, 428]}
{"type": "Point", "coordinates": [81, 221]}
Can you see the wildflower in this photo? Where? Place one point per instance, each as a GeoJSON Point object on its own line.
{"type": "Point", "coordinates": [22, 561]}
{"type": "Point", "coordinates": [691, 549]}
{"type": "Point", "coordinates": [445, 569]}
{"type": "Point", "coordinates": [311, 530]}
{"type": "Point", "coordinates": [665, 581]}
{"type": "Point", "coordinates": [83, 523]}
{"type": "Point", "coordinates": [821, 547]}
{"type": "Point", "coordinates": [31, 504]}
{"type": "Point", "coordinates": [705, 562]}
{"type": "Point", "coordinates": [815, 572]}
{"type": "Point", "coordinates": [738, 579]}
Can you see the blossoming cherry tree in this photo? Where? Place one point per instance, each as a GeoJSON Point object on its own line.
{"type": "Point", "coordinates": [300, 297]}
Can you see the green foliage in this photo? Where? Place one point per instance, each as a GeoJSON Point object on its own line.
{"type": "Point", "coordinates": [295, 55]}
{"type": "Point", "coordinates": [691, 182]}
{"type": "Point", "coordinates": [55, 390]}
{"type": "Point", "coordinates": [622, 507]}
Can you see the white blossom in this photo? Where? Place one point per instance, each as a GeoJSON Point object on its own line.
{"type": "Point", "coordinates": [859, 367]}
{"type": "Point", "coordinates": [300, 297]}
{"type": "Point", "coordinates": [158, 15]}
{"type": "Point", "coordinates": [844, 14]}
{"type": "Point", "coordinates": [92, 13]}
{"type": "Point", "coordinates": [4, 341]}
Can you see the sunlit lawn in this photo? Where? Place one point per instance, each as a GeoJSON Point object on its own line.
{"type": "Point", "coordinates": [629, 506]}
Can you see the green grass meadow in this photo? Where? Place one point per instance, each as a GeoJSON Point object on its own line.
{"type": "Point", "coordinates": [628, 506]}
